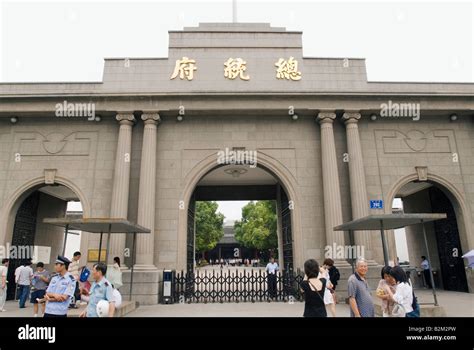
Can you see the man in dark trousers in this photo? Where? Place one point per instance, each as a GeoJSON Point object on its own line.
{"type": "Point", "coordinates": [272, 269]}
{"type": "Point", "coordinates": [425, 265]}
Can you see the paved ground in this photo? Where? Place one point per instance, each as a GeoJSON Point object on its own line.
{"type": "Point", "coordinates": [455, 304]}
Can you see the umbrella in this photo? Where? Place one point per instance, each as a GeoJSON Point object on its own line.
{"type": "Point", "coordinates": [470, 258]}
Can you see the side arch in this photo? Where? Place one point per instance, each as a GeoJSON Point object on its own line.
{"type": "Point", "coordinates": [8, 212]}
{"type": "Point", "coordinates": [456, 196]}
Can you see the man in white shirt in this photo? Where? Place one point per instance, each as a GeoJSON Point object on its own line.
{"type": "Point", "coordinates": [74, 269]}
{"type": "Point", "coordinates": [3, 283]}
{"type": "Point", "coordinates": [272, 269]}
{"type": "Point", "coordinates": [23, 279]}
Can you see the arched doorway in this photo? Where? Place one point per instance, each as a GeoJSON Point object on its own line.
{"type": "Point", "coordinates": [29, 238]}
{"type": "Point", "coordinates": [271, 165]}
{"type": "Point", "coordinates": [446, 238]}
{"type": "Point", "coordinates": [236, 183]}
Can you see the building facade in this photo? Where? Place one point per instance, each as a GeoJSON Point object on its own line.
{"type": "Point", "coordinates": [146, 142]}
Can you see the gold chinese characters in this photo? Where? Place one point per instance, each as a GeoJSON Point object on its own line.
{"type": "Point", "coordinates": [236, 68]}
{"type": "Point", "coordinates": [287, 69]}
{"type": "Point", "coordinates": [185, 67]}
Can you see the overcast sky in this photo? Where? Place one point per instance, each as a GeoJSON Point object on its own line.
{"type": "Point", "coordinates": [402, 41]}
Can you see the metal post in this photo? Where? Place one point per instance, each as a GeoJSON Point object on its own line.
{"type": "Point", "coordinates": [133, 263]}
{"type": "Point", "coordinates": [100, 247]}
{"type": "Point", "coordinates": [65, 238]}
{"type": "Point", "coordinates": [384, 244]}
{"type": "Point", "coordinates": [351, 240]}
{"type": "Point", "coordinates": [429, 260]}
{"type": "Point", "coordinates": [107, 245]}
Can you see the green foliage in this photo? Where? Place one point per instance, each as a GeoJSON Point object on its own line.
{"type": "Point", "coordinates": [258, 227]}
{"type": "Point", "coordinates": [209, 226]}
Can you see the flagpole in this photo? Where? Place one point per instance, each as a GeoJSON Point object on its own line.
{"type": "Point", "coordinates": [234, 11]}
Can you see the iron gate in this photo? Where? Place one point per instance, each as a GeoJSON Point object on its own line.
{"type": "Point", "coordinates": [219, 286]}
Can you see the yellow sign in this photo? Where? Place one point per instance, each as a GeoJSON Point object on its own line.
{"type": "Point", "coordinates": [235, 67]}
{"type": "Point", "coordinates": [185, 67]}
{"type": "Point", "coordinates": [287, 69]}
{"type": "Point", "coordinates": [93, 255]}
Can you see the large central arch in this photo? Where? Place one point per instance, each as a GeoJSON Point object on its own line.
{"type": "Point", "coordinates": [268, 163]}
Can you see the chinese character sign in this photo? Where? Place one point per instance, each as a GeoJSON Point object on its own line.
{"type": "Point", "coordinates": [287, 69]}
{"type": "Point", "coordinates": [185, 68]}
{"type": "Point", "coordinates": [235, 67]}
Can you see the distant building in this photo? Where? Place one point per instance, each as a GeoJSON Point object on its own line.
{"type": "Point", "coordinates": [229, 248]}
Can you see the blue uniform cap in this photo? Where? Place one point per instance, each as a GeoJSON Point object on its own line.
{"type": "Point", "coordinates": [62, 260]}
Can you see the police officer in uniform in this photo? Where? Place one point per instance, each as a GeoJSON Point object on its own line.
{"type": "Point", "coordinates": [101, 290]}
{"type": "Point", "coordinates": [60, 290]}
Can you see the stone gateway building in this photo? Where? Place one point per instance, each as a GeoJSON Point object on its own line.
{"type": "Point", "coordinates": [143, 144]}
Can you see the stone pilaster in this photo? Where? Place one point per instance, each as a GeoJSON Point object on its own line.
{"type": "Point", "coordinates": [331, 189]}
{"type": "Point", "coordinates": [120, 189]}
{"type": "Point", "coordinates": [359, 202]}
{"type": "Point", "coordinates": [147, 192]}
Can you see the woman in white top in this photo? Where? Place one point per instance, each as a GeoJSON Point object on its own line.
{"type": "Point", "coordinates": [404, 291]}
{"type": "Point", "coordinates": [328, 299]}
{"type": "Point", "coordinates": [114, 274]}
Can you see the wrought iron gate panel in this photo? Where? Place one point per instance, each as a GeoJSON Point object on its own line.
{"type": "Point", "coordinates": [24, 232]}
{"type": "Point", "coordinates": [287, 236]}
{"type": "Point", "coordinates": [190, 235]}
{"type": "Point", "coordinates": [447, 239]}
{"type": "Point", "coordinates": [219, 286]}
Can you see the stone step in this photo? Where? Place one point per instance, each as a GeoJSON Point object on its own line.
{"type": "Point", "coordinates": [126, 308]}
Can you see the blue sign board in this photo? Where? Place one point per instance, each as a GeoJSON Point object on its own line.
{"type": "Point", "coordinates": [376, 204]}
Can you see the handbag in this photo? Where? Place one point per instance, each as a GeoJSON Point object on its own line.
{"type": "Point", "coordinates": [398, 310]}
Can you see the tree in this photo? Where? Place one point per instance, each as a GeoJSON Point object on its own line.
{"type": "Point", "coordinates": [258, 227]}
{"type": "Point", "coordinates": [209, 226]}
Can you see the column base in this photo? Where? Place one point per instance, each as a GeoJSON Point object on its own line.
{"type": "Point", "coordinates": [371, 262]}
{"type": "Point", "coordinates": [146, 284]}
{"type": "Point", "coordinates": [341, 263]}
{"type": "Point", "coordinates": [144, 267]}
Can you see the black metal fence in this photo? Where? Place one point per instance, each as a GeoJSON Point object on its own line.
{"type": "Point", "coordinates": [247, 285]}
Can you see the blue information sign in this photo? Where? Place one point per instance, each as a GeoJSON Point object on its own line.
{"type": "Point", "coordinates": [376, 204]}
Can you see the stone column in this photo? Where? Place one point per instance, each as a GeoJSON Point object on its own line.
{"type": "Point", "coordinates": [146, 194]}
{"type": "Point", "coordinates": [359, 202]}
{"type": "Point", "coordinates": [331, 189]}
{"type": "Point", "coordinates": [120, 189]}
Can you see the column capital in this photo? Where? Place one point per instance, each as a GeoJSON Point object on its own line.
{"type": "Point", "coordinates": [325, 117]}
{"type": "Point", "coordinates": [125, 118]}
{"type": "Point", "coordinates": [351, 117]}
{"type": "Point", "coordinates": [151, 117]}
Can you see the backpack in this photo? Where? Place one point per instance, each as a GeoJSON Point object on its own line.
{"type": "Point", "coordinates": [84, 274]}
{"type": "Point", "coordinates": [336, 275]}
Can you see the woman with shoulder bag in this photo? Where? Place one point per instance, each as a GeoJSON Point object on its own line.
{"type": "Point", "coordinates": [313, 287]}
{"type": "Point", "coordinates": [403, 297]}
